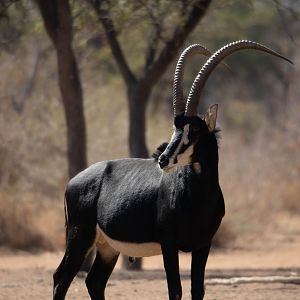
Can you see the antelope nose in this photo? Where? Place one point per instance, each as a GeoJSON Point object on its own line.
{"type": "Point", "coordinates": [163, 161]}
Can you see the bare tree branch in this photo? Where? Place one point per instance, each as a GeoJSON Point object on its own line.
{"type": "Point", "coordinates": [172, 46]}
{"type": "Point", "coordinates": [19, 103]}
{"type": "Point", "coordinates": [155, 35]}
{"type": "Point", "coordinates": [48, 11]}
{"type": "Point", "coordinates": [111, 35]}
{"type": "Point", "coordinates": [163, 17]}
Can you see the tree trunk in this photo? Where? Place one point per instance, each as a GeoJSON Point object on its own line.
{"type": "Point", "coordinates": [137, 97]}
{"type": "Point", "coordinates": [139, 89]}
{"type": "Point", "coordinates": [71, 92]}
{"type": "Point", "coordinates": [72, 96]}
{"type": "Point", "coordinates": [57, 19]}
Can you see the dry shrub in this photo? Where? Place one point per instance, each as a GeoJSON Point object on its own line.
{"type": "Point", "coordinates": [10, 155]}
{"type": "Point", "coordinates": [32, 156]}
{"type": "Point", "coordinates": [29, 216]}
{"type": "Point", "coordinates": [260, 176]}
{"type": "Point", "coordinates": [29, 225]}
{"type": "Point", "coordinates": [291, 197]}
{"type": "Point", "coordinates": [259, 161]}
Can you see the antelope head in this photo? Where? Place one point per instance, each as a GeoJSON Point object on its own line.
{"type": "Point", "coordinates": [190, 129]}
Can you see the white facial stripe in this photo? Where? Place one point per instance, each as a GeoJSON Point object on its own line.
{"type": "Point", "coordinates": [184, 140]}
{"type": "Point", "coordinates": [185, 158]}
{"type": "Point", "coordinates": [173, 135]}
{"type": "Point", "coordinates": [171, 160]}
{"type": "Point", "coordinates": [185, 137]}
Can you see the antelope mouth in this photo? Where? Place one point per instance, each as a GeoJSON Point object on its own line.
{"type": "Point", "coordinates": [169, 169]}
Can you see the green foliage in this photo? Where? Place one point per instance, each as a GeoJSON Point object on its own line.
{"type": "Point", "coordinates": [17, 21]}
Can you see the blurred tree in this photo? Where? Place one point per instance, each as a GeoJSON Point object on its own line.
{"type": "Point", "coordinates": [11, 28]}
{"type": "Point", "coordinates": [58, 23]}
{"type": "Point", "coordinates": [57, 19]}
{"type": "Point", "coordinates": [273, 23]}
{"type": "Point", "coordinates": [164, 26]}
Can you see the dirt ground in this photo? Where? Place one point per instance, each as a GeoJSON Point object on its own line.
{"type": "Point", "coordinates": [231, 274]}
{"type": "Point", "coordinates": [265, 268]}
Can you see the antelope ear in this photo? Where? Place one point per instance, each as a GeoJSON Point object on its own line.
{"type": "Point", "coordinates": [211, 117]}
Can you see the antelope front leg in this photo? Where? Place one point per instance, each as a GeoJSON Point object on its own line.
{"type": "Point", "coordinates": [171, 264]}
{"type": "Point", "coordinates": [199, 259]}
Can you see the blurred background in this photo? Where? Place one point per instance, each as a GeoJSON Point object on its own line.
{"type": "Point", "coordinates": [114, 107]}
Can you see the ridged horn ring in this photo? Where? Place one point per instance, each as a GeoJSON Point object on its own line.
{"type": "Point", "coordinates": [178, 101]}
{"type": "Point", "coordinates": [200, 80]}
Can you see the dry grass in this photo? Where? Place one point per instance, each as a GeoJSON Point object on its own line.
{"type": "Point", "coordinates": [29, 225]}
{"type": "Point", "coordinates": [259, 172]}
{"type": "Point", "coordinates": [291, 198]}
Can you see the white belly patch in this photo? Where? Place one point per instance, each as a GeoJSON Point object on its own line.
{"type": "Point", "coordinates": [128, 248]}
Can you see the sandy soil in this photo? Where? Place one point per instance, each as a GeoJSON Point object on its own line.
{"type": "Point", "coordinates": [231, 274]}
{"type": "Point", "coordinates": [268, 270]}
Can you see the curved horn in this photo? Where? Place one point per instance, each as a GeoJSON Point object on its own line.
{"type": "Point", "coordinates": [178, 102]}
{"type": "Point", "coordinates": [212, 62]}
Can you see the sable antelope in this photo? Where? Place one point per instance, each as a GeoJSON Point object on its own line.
{"type": "Point", "coordinates": [145, 207]}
